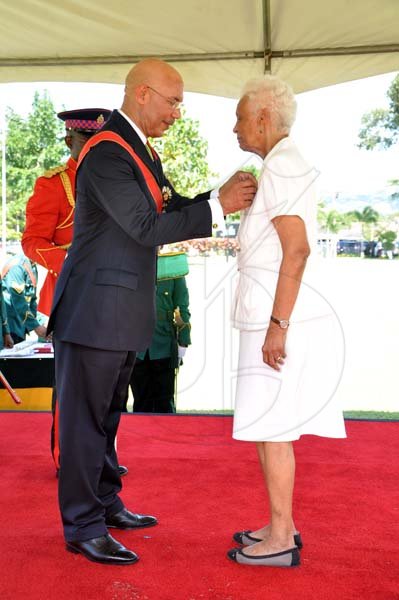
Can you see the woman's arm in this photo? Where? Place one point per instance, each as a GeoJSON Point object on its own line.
{"type": "Point", "coordinates": [295, 246]}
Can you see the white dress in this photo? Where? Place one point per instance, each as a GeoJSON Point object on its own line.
{"type": "Point", "coordinates": [272, 405]}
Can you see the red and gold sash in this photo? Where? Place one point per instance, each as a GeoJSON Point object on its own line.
{"type": "Point", "coordinates": [149, 178]}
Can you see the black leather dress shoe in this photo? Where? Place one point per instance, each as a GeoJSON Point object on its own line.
{"type": "Point", "coordinates": [123, 470]}
{"type": "Point", "coordinates": [104, 550]}
{"type": "Point", "coordinates": [124, 519]}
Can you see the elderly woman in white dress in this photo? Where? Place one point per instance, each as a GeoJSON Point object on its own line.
{"type": "Point", "coordinates": [291, 347]}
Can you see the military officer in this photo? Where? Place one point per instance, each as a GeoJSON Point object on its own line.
{"type": "Point", "coordinates": [19, 281]}
{"type": "Point", "coordinates": [154, 373]}
{"type": "Point", "coordinates": [50, 209]}
{"type": "Point", "coordinates": [50, 213]}
{"type": "Point", "coordinates": [6, 340]}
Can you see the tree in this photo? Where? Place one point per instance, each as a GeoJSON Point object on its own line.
{"type": "Point", "coordinates": [387, 238]}
{"type": "Point", "coordinates": [184, 157]}
{"type": "Point", "coordinates": [34, 145]}
{"type": "Point", "coordinates": [330, 221]}
{"type": "Point", "coordinates": [394, 183]}
{"type": "Point", "coordinates": [369, 218]}
{"type": "Point", "coordinates": [380, 127]}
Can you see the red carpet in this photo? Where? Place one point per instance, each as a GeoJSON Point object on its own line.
{"type": "Point", "coordinates": [203, 486]}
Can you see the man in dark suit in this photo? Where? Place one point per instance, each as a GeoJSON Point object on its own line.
{"type": "Point", "coordinates": [104, 304]}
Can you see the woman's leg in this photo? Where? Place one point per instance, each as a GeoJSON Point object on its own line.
{"type": "Point", "coordinates": [278, 465]}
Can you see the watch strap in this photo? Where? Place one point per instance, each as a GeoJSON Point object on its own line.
{"type": "Point", "coordinates": [283, 323]}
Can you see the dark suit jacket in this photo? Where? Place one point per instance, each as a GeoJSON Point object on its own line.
{"type": "Point", "coordinates": [105, 296]}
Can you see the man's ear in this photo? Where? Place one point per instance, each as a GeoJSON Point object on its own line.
{"type": "Point", "coordinates": [141, 94]}
{"type": "Point", "coordinates": [68, 141]}
{"type": "Point", "coordinates": [263, 115]}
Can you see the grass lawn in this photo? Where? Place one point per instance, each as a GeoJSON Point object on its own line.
{"type": "Point", "coordinates": [371, 415]}
{"type": "Point", "coordinates": [366, 415]}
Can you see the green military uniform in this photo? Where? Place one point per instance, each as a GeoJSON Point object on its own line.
{"type": "Point", "coordinates": [5, 330]}
{"type": "Point", "coordinates": [153, 378]}
{"type": "Point", "coordinates": [19, 281]}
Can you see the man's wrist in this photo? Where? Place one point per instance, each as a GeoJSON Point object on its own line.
{"type": "Point", "coordinates": [217, 216]}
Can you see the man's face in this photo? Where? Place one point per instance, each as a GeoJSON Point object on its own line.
{"type": "Point", "coordinates": [161, 107]}
{"type": "Point", "coordinates": [75, 141]}
{"type": "Point", "coordinates": [246, 127]}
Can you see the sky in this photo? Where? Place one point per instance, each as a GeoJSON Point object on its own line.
{"type": "Point", "coordinates": [326, 128]}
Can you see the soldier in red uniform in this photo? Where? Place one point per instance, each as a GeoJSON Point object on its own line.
{"type": "Point", "coordinates": [49, 218]}
{"type": "Point", "coordinates": [50, 209]}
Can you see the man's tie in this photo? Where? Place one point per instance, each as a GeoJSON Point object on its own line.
{"type": "Point", "coordinates": [156, 163]}
{"type": "Point", "coordinates": [149, 150]}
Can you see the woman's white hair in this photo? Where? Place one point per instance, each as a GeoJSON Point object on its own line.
{"type": "Point", "coordinates": [277, 96]}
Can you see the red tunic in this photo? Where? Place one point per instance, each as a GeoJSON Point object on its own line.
{"type": "Point", "coordinates": [49, 225]}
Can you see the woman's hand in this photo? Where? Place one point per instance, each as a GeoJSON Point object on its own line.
{"type": "Point", "coordinates": [274, 347]}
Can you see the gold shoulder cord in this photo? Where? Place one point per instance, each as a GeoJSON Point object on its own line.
{"type": "Point", "coordinates": [54, 171]}
{"type": "Point", "coordinates": [66, 183]}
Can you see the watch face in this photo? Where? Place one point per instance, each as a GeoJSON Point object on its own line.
{"type": "Point", "coordinates": [284, 324]}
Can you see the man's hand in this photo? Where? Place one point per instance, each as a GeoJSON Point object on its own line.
{"type": "Point", "coordinates": [41, 331]}
{"type": "Point", "coordinates": [238, 192]}
{"type": "Point", "coordinates": [181, 352]}
{"type": "Point", "coordinates": [8, 341]}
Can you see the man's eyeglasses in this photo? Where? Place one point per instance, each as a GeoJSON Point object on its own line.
{"type": "Point", "coordinates": [173, 103]}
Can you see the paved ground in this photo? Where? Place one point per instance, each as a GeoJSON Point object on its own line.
{"type": "Point", "coordinates": [364, 295]}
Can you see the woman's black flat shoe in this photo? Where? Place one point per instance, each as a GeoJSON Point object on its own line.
{"type": "Point", "coordinates": [245, 538]}
{"type": "Point", "coordinates": [287, 558]}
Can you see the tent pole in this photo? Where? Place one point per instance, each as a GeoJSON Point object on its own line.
{"type": "Point", "coordinates": [267, 38]}
{"type": "Point", "coordinates": [3, 180]}
{"type": "Point", "coordinates": [201, 57]}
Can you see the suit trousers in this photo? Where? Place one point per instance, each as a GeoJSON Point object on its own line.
{"type": "Point", "coordinates": [153, 385]}
{"type": "Point", "coordinates": [91, 385]}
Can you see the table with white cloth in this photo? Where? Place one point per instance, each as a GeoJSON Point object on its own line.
{"type": "Point", "coordinates": [29, 369]}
